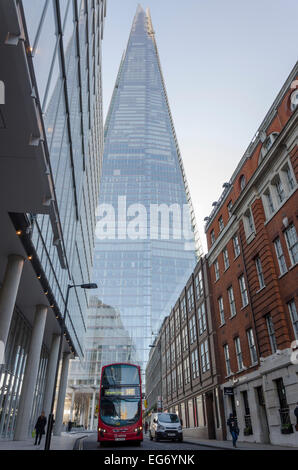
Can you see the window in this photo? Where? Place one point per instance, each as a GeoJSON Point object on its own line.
{"type": "Point", "coordinates": [230, 205]}
{"type": "Point", "coordinates": [221, 310]}
{"type": "Point", "coordinates": [195, 364]}
{"type": "Point", "coordinates": [190, 298]}
{"type": "Point", "coordinates": [226, 258]}
{"type": "Point", "coordinates": [268, 143]}
{"type": "Point", "coordinates": [177, 319]}
{"type": "Point", "coordinates": [173, 353]}
{"type": "Point", "coordinates": [227, 359]}
{"type": "Point", "coordinates": [243, 291]}
{"type": "Point", "coordinates": [294, 100]}
{"type": "Point", "coordinates": [202, 318]}
{"type": "Point", "coordinates": [294, 316]}
{"type": "Point", "coordinates": [232, 301]}
{"type": "Point", "coordinates": [192, 330]}
{"type": "Point", "coordinates": [289, 177]}
{"type": "Point", "coordinates": [220, 223]}
{"type": "Point", "coordinates": [216, 270]}
{"type": "Point", "coordinates": [183, 308]}
{"type": "Point", "coordinates": [212, 237]}
{"type": "Point", "coordinates": [169, 384]}
{"type": "Point", "coordinates": [172, 327]}
{"type": "Point", "coordinates": [184, 339]}
{"type": "Point", "coordinates": [199, 284]}
{"type": "Point", "coordinates": [252, 346]}
{"type": "Point", "coordinates": [174, 383]}
{"type": "Point", "coordinates": [280, 256]}
{"type": "Point", "coordinates": [238, 353]}
{"type": "Point", "coordinates": [178, 345]}
{"type": "Point", "coordinates": [242, 182]}
{"type": "Point", "coordinates": [205, 356]}
{"type": "Point", "coordinates": [260, 272]}
{"type": "Point", "coordinates": [271, 333]}
{"type": "Point", "coordinates": [279, 188]}
{"type": "Point", "coordinates": [236, 246]}
{"type": "Point", "coordinates": [179, 376]}
{"type": "Point", "coordinates": [248, 223]}
{"type": "Point", "coordinates": [292, 242]}
{"type": "Point", "coordinates": [186, 371]}
{"type": "Point", "coordinates": [269, 206]}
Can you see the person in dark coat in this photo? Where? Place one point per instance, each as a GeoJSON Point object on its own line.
{"type": "Point", "coordinates": [40, 427]}
{"type": "Point", "coordinates": [233, 427]}
{"type": "Point", "coordinates": [296, 414]}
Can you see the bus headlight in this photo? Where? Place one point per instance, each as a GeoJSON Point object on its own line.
{"type": "Point", "coordinates": [139, 429]}
{"type": "Point", "coordinates": [101, 430]}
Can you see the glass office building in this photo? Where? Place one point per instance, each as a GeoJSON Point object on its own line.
{"type": "Point", "coordinates": [68, 74]}
{"type": "Point", "coordinates": [145, 243]}
{"type": "Point", "coordinates": [54, 138]}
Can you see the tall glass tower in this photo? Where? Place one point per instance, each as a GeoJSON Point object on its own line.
{"type": "Point", "coordinates": [145, 245]}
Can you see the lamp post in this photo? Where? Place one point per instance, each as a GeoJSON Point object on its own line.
{"type": "Point", "coordinates": [51, 415]}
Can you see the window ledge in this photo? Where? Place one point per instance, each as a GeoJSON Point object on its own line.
{"type": "Point", "coordinates": [259, 290]}
{"type": "Point", "coordinates": [283, 274]}
{"type": "Point", "coordinates": [236, 257]}
{"type": "Point", "coordinates": [250, 237]}
{"type": "Point", "coordinates": [222, 324]}
{"type": "Point", "coordinates": [244, 306]}
{"type": "Point", "coordinates": [293, 266]}
{"type": "Point", "coordinates": [232, 316]}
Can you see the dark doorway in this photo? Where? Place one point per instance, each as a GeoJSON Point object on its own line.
{"type": "Point", "coordinates": [210, 415]}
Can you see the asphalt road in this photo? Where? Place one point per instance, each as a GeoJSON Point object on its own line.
{"type": "Point", "coordinates": [90, 443]}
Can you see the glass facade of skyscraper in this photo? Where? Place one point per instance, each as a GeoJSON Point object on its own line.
{"type": "Point", "coordinates": [144, 243]}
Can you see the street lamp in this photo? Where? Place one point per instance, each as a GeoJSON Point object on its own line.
{"type": "Point", "coordinates": [51, 415]}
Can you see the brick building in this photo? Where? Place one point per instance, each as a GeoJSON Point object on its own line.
{"type": "Point", "coordinates": [252, 256]}
{"type": "Point", "coordinates": [188, 379]}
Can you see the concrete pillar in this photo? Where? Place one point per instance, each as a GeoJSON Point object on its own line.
{"type": "Point", "coordinates": [92, 411]}
{"type": "Point", "coordinates": [51, 371]}
{"type": "Point", "coordinates": [61, 395]}
{"type": "Point", "coordinates": [72, 405]}
{"type": "Point", "coordinates": [8, 293]}
{"type": "Point", "coordinates": [30, 375]}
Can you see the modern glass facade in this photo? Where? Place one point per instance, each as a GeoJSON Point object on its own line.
{"type": "Point", "coordinates": [62, 43]}
{"type": "Point", "coordinates": [142, 260]}
{"type": "Point", "coordinates": [65, 39]}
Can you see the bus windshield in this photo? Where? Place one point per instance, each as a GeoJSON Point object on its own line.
{"type": "Point", "coordinates": [118, 411]}
{"type": "Point", "coordinates": [120, 374]}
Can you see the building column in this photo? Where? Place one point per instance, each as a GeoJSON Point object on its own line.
{"type": "Point", "coordinates": [30, 375]}
{"type": "Point", "coordinates": [51, 371]}
{"type": "Point", "coordinates": [92, 411]}
{"type": "Point", "coordinates": [61, 395]}
{"type": "Point", "coordinates": [72, 405]}
{"type": "Point", "coordinates": [8, 293]}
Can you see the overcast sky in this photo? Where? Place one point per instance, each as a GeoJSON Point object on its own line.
{"type": "Point", "coordinates": [223, 61]}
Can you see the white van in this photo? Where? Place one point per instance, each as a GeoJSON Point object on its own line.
{"type": "Point", "coordinates": [165, 426]}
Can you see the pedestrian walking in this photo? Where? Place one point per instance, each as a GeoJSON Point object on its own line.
{"type": "Point", "coordinates": [40, 427]}
{"type": "Point", "coordinates": [146, 427]}
{"type": "Point", "coordinates": [233, 427]}
{"type": "Point", "coordinates": [296, 414]}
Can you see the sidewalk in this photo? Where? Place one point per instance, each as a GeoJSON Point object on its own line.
{"type": "Point", "coordinates": [227, 445]}
{"type": "Point", "coordinates": [64, 442]}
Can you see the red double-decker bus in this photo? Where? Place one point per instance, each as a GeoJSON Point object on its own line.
{"type": "Point", "coordinates": [120, 404]}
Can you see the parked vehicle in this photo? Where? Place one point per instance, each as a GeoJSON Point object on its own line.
{"type": "Point", "coordinates": [165, 426]}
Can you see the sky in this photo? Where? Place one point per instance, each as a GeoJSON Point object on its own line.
{"type": "Point", "coordinates": [223, 62]}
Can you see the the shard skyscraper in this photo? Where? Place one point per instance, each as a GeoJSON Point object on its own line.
{"type": "Point", "coordinates": [145, 236]}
